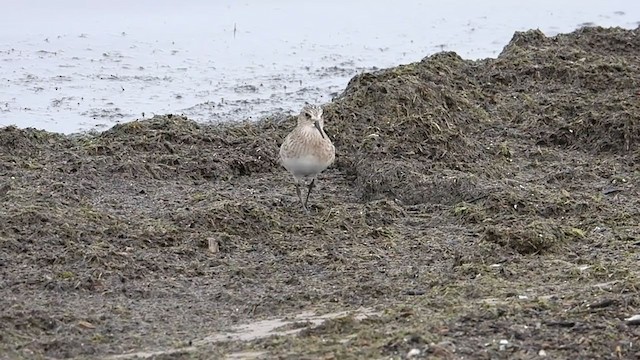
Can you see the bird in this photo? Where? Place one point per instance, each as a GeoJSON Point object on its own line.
{"type": "Point", "coordinates": [307, 150]}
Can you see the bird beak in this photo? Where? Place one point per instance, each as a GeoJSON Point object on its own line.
{"type": "Point", "coordinates": [317, 125]}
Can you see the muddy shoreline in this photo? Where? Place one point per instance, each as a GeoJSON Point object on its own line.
{"type": "Point", "coordinates": [477, 209]}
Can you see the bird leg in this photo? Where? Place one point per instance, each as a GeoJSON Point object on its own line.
{"type": "Point", "coordinates": [304, 205]}
{"type": "Point", "coordinates": [311, 185]}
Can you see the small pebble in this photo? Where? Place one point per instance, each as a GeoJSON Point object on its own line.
{"type": "Point", "coordinates": [503, 344]}
{"type": "Point", "coordinates": [542, 353]}
{"type": "Point", "coordinates": [413, 352]}
{"type": "Point", "coordinates": [214, 246]}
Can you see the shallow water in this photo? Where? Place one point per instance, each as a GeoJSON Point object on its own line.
{"type": "Point", "coordinates": [68, 66]}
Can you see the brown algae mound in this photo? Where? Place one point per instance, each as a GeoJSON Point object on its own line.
{"type": "Point", "coordinates": [584, 97]}
{"type": "Point", "coordinates": [444, 111]}
{"type": "Point", "coordinates": [423, 116]}
{"type": "Point", "coordinates": [486, 209]}
{"type": "Point", "coordinates": [446, 126]}
{"type": "Point", "coordinates": [170, 146]}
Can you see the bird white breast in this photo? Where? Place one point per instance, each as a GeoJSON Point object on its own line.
{"type": "Point", "coordinates": [307, 165]}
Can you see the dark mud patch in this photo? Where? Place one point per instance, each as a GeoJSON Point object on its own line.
{"type": "Point", "coordinates": [485, 209]}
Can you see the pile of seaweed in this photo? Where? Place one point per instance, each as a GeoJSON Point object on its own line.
{"type": "Point", "coordinates": [445, 114]}
{"type": "Point", "coordinates": [523, 154]}
{"type": "Point", "coordinates": [442, 131]}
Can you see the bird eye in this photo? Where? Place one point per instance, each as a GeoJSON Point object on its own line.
{"type": "Point", "coordinates": [307, 115]}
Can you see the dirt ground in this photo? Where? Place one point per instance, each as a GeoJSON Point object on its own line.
{"type": "Point", "coordinates": [476, 210]}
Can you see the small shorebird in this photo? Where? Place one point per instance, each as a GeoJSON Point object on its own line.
{"type": "Point", "coordinates": [307, 150]}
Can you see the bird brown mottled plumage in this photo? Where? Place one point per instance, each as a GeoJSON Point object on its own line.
{"type": "Point", "coordinates": [307, 150]}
